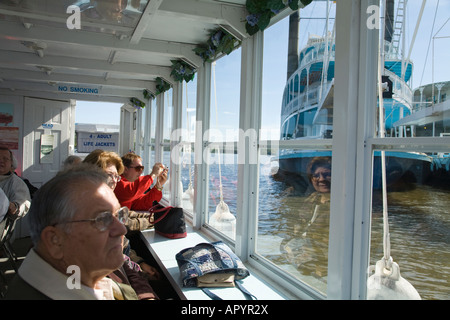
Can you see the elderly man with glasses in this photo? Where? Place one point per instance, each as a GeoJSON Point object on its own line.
{"type": "Point", "coordinates": [77, 229]}
{"type": "Point", "coordinates": [132, 187]}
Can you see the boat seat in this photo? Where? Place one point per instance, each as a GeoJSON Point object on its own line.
{"type": "Point", "coordinates": [7, 226]}
{"type": "Point", "coordinates": [164, 250]}
{"type": "Point", "coordinates": [6, 231]}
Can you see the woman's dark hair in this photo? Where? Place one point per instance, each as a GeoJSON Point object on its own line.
{"type": "Point", "coordinates": [317, 162]}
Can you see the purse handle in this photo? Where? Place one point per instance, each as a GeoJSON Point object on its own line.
{"type": "Point", "coordinates": [239, 285]}
{"type": "Point", "coordinates": [153, 211]}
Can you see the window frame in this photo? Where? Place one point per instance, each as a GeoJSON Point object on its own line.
{"type": "Point", "coordinates": [352, 146]}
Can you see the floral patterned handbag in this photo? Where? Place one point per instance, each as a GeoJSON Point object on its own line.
{"type": "Point", "coordinates": [212, 265]}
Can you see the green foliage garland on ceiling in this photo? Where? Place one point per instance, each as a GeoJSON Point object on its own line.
{"type": "Point", "coordinates": [261, 11]}
{"type": "Point", "coordinates": [138, 104]}
{"type": "Point", "coordinates": [219, 41]}
{"type": "Point", "coordinates": [148, 95]}
{"type": "Point", "coordinates": [182, 71]}
{"type": "Point", "coordinates": [161, 86]}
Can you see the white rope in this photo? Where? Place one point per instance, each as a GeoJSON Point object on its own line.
{"type": "Point", "coordinates": [386, 235]}
{"type": "Point", "coordinates": [217, 124]}
{"type": "Point", "coordinates": [189, 136]}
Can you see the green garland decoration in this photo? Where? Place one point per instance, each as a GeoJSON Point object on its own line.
{"type": "Point", "coordinates": [219, 41]}
{"type": "Point", "coordinates": [261, 11]}
{"type": "Point", "coordinates": [182, 71]}
{"type": "Point", "coordinates": [138, 104]}
{"type": "Point", "coordinates": [148, 95]}
{"type": "Point", "coordinates": [161, 85]}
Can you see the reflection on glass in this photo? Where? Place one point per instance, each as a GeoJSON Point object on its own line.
{"type": "Point", "coordinates": [419, 227]}
{"type": "Point", "coordinates": [307, 247]}
{"type": "Point", "coordinates": [106, 9]}
{"type": "Point", "coordinates": [294, 212]}
{"type": "Point", "coordinates": [126, 12]}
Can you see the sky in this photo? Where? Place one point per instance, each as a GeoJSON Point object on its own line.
{"type": "Point", "coordinates": [434, 23]}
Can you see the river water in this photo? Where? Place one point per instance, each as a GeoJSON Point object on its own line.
{"type": "Point", "coordinates": [419, 224]}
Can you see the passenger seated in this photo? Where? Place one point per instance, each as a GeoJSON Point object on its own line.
{"type": "Point", "coordinates": [14, 187]}
{"type": "Point", "coordinates": [4, 205]}
{"type": "Point", "coordinates": [76, 226]}
{"type": "Point", "coordinates": [32, 189]}
{"type": "Point", "coordinates": [131, 189]}
{"type": "Point", "coordinates": [111, 163]}
{"type": "Point", "coordinates": [130, 275]}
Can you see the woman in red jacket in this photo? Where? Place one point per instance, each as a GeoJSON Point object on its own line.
{"type": "Point", "coordinates": [132, 187]}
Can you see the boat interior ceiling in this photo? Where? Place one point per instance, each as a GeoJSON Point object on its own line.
{"type": "Point", "coordinates": [117, 47]}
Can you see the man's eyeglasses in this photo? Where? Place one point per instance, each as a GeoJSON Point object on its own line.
{"type": "Point", "coordinates": [104, 219]}
{"type": "Point", "coordinates": [138, 168]}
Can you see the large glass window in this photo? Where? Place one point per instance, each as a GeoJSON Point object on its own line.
{"type": "Point", "coordinates": [187, 160]}
{"type": "Point", "coordinates": [419, 226]}
{"type": "Point", "coordinates": [168, 115]}
{"type": "Point", "coordinates": [152, 118]}
{"type": "Point", "coordinates": [295, 178]}
{"type": "Point", "coordinates": [222, 151]}
{"type": "Point", "coordinates": [410, 226]}
{"type": "Point", "coordinates": [293, 217]}
{"type": "Point", "coordinates": [165, 143]}
{"type": "Point", "coordinates": [294, 211]}
{"type": "Point", "coordinates": [294, 214]}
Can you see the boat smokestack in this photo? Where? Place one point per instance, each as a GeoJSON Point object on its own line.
{"type": "Point", "coordinates": [292, 63]}
{"type": "Point", "coordinates": [389, 20]}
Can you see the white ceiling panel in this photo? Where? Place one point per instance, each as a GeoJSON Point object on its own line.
{"type": "Point", "coordinates": [121, 47]}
